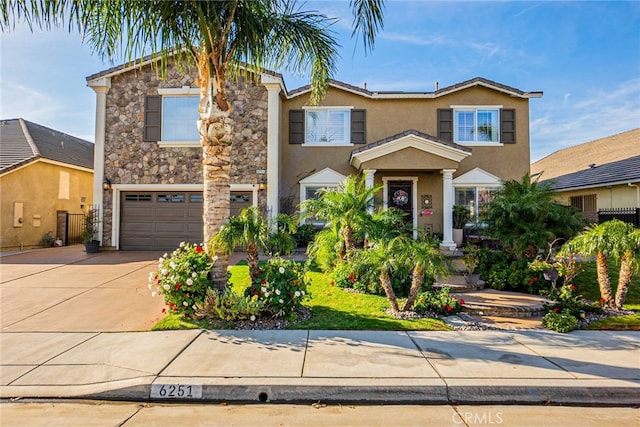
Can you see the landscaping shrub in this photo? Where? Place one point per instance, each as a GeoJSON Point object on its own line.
{"type": "Point", "coordinates": [304, 235]}
{"type": "Point", "coordinates": [438, 302]}
{"type": "Point", "coordinates": [283, 287]}
{"type": "Point", "coordinates": [503, 271]}
{"type": "Point", "coordinates": [560, 322]}
{"type": "Point", "coordinates": [182, 278]}
{"type": "Point", "coordinates": [565, 299]}
{"type": "Point", "coordinates": [229, 306]}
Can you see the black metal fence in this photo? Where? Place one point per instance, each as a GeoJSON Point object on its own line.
{"type": "Point", "coordinates": [75, 225]}
{"type": "Point", "coordinates": [630, 215]}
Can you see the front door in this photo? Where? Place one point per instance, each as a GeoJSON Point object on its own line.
{"type": "Point", "coordinates": [399, 196]}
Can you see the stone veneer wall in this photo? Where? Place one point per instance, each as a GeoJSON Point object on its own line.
{"type": "Point", "coordinates": [130, 160]}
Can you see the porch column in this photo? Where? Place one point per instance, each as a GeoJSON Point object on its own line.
{"type": "Point", "coordinates": [447, 210]}
{"type": "Point", "coordinates": [100, 87]}
{"type": "Point", "coordinates": [273, 85]}
{"type": "Point", "coordinates": [369, 175]}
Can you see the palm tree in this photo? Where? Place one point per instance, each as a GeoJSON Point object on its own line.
{"type": "Point", "coordinates": [386, 256]}
{"type": "Point", "coordinates": [425, 257]}
{"type": "Point", "coordinates": [253, 232]}
{"type": "Point", "coordinates": [344, 208]}
{"type": "Point", "coordinates": [524, 216]}
{"type": "Point", "coordinates": [612, 239]}
{"type": "Point", "coordinates": [629, 263]}
{"type": "Point", "coordinates": [225, 39]}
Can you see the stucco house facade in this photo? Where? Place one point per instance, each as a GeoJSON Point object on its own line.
{"type": "Point", "coordinates": [429, 150]}
{"type": "Point", "coordinates": [596, 175]}
{"type": "Point", "coordinates": [43, 173]}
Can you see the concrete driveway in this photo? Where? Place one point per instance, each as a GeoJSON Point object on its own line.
{"type": "Point", "coordinates": [66, 290]}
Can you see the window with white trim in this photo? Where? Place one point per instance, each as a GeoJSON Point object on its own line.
{"type": "Point", "coordinates": [475, 199]}
{"type": "Point", "coordinates": [476, 125]}
{"type": "Point", "coordinates": [179, 118]}
{"type": "Point", "coordinates": [327, 125]}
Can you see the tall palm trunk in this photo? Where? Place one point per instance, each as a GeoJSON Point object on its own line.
{"type": "Point", "coordinates": [215, 127]}
{"type": "Point", "coordinates": [624, 279]}
{"type": "Point", "coordinates": [385, 281]}
{"type": "Point", "coordinates": [603, 279]}
{"type": "Point", "coordinates": [417, 278]}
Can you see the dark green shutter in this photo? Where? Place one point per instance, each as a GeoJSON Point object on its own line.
{"type": "Point", "coordinates": [296, 126]}
{"type": "Point", "coordinates": [507, 126]}
{"type": "Point", "coordinates": [445, 124]}
{"type": "Point", "coordinates": [358, 126]}
{"type": "Point", "coordinates": [152, 117]}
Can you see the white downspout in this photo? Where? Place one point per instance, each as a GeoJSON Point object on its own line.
{"type": "Point", "coordinates": [101, 87]}
{"type": "Point", "coordinates": [273, 85]}
{"type": "Point", "coordinates": [637, 193]}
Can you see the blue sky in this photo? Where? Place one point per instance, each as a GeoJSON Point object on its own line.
{"type": "Point", "coordinates": [584, 56]}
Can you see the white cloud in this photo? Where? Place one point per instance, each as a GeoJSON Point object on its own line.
{"type": "Point", "coordinates": [598, 114]}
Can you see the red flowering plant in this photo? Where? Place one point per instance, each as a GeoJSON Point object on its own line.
{"type": "Point", "coordinates": [437, 302]}
{"type": "Point", "coordinates": [565, 299]}
{"type": "Point", "coordinates": [182, 278]}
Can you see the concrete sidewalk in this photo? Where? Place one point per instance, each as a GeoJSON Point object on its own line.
{"type": "Point", "coordinates": [471, 367]}
{"type": "Point", "coordinates": [64, 316]}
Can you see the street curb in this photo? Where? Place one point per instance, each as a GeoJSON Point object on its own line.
{"type": "Point", "coordinates": [354, 391]}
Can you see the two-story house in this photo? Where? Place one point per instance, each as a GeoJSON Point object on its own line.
{"type": "Point", "coordinates": [429, 150]}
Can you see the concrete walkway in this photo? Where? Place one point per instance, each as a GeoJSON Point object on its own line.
{"type": "Point", "coordinates": [63, 312]}
{"type": "Point", "coordinates": [479, 367]}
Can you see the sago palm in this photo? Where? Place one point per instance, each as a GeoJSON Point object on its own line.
{"type": "Point", "coordinates": [224, 39]}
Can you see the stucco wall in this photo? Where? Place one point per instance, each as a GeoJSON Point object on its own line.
{"type": "Point", "coordinates": [619, 196]}
{"type": "Point", "coordinates": [388, 117]}
{"type": "Point", "coordinates": [42, 188]}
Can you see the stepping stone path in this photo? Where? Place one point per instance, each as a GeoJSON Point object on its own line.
{"type": "Point", "coordinates": [490, 308]}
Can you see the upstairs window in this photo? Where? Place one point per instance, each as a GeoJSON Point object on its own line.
{"type": "Point", "coordinates": [476, 125]}
{"type": "Point", "coordinates": [327, 126]}
{"type": "Point", "coordinates": [179, 118]}
{"type": "Point", "coordinates": [170, 118]}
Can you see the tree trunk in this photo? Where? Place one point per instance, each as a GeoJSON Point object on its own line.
{"type": "Point", "coordinates": [253, 261]}
{"type": "Point", "coordinates": [417, 277]}
{"type": "Point", "coordinates": [385, 281]}
{"type": "Point", "coordinates": [603, 279]}
{"type": "Point", "coordinates": [624, 279]}
{"type": "Point", "coordinates": [347, 235]}
{"type": "Point", "coordinates": [216, 136]}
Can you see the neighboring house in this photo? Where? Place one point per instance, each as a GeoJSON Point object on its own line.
{"type": "Point", "coordinates": [43, 173]}
{"type": "Point", "coordinates": [428, 149]}
{"type": "Point", "coordinates": [597, 175]}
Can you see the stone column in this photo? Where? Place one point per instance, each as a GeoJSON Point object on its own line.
{"type": "Point", "coordinates": [273, 85]}
{"type": "Point", "coordinates": [447, 210]}
{"type": "Point", "coordinates": [369, 175]}
{"type": "Point", "coordinates": [100, 87]}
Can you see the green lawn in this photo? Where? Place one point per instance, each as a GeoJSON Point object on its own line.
{"type": "Point", "coordinates": [334, 308]}
{"type": "Point", "coordinates": [586, 284]}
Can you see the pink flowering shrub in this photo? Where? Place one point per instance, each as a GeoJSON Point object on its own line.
{"type": "Point", "coordinates": [182, 278]}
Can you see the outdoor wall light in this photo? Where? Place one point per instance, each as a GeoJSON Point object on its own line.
{"type": "Point", "coordinates": [106, 184]}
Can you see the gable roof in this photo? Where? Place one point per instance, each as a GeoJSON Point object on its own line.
{"type": "Point", "coordinates": [409, 138]}
{"type": "Point", "coordinates": [599, 152]}
{"type": "Point", "coordinates": [476, 81]}
{"type": "Point", "coordinates": [23, 142]}
{"type": "Point", "coordinates": [614, 173]}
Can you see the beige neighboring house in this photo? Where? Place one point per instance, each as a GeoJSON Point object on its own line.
{"type": "Point", "coordinates": [44, 174]}
{"type": "Point", "coordinates": [601, 175]}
